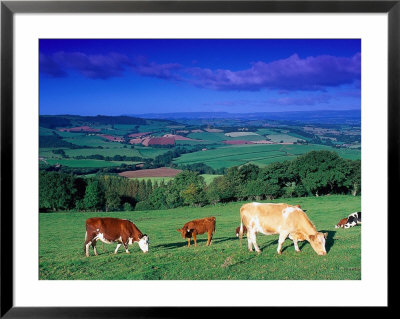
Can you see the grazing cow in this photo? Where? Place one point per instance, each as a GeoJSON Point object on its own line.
{"type": "Point", "coordinates": [238, 230]}
{"type": "Point", "coordinates": [341, 223]}
{"type": "Point", "coordinates": [108, 230]}
{"type": "Point", "coordinates": [282, 219]}
{"type": "Point", "coordinates": [353, 219]}
{"type": "Point", "coordinates": [198, 227]}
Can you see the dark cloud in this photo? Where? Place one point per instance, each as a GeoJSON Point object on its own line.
{"type": "Point", "coordinates": [293, 73]}
{"type": "Point", "coordinates": [48, 66]}
{"type": "Point", "coordinates": [167, 71]}
{"type": "Point", "coordinates": [91, 66]}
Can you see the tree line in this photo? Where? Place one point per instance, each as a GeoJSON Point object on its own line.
{"type": "Point", "coordinates": [315, 173]}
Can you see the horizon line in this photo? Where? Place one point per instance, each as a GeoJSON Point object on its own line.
{"type": "Point", "coordinates": [191, 112]}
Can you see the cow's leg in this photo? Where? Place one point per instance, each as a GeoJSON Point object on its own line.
{"type": "Point", "coordinates": [126, 247]}
{"type": "Point", "coordinates": [282, 237]}
{"type": "Point", "coordinates": [94, 246]}
{"type": "Point", "coordinates": [252, 236]}
{"type": "Point", "coordinates": [296, 246]}
{"type": "Point", "coordinates": [209, 241]}
{"type": "Point", "coordinates": [194, 239]}
{"type": "Point", "coordinates": [249, 243]}
{"type": "Point", "coordinates": [87, 245]}
{"type": "Point", "coordinates": [116, 249]}
{"type": "Point", "coordinates": [89, 236]}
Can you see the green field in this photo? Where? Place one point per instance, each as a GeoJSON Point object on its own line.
{"type": "Point", "coordinates": [266, 131]}
{"type": "Point", "coordinates": [92, 141]}
{"type": "Point", "coordinates": [260, 154]}
{"type": "Point", "coordinates": [206, 136]}
{"type": "Point", "coordinates": [149, 152]}
{"type": "Point", "coordinates": [61, 255]}
{"type": "Point", "coordinates": [128, 151]}
{"type": "Point", "coordinates": [283, 138]}
{"type": "Point", "coordinates": [219, 155]}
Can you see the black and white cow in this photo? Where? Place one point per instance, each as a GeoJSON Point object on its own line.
{"type": "Point", "coordinates": [353, 219]}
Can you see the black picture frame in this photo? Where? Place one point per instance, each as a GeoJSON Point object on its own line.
{"type": "Point", "coordinates": [9, 8]}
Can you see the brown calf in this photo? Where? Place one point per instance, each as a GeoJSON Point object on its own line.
{"type": "Point", "coordinates": [341, 223]}
{"type": "Point", "coordinates": [238, 230]}
{"type": "Point", "coordinates": [198, 227]}
{"type": "Point", "coordinates": [108, 230]}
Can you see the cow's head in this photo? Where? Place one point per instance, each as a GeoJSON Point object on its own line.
{"type": "Point", "coordinates": [341, 223]}
{"type": "Point", "coordinates": [185, 232]}
{"type": "Point", "coordinates": [317, 242]}
{"type": "Point", "coordinates": [144, 243]}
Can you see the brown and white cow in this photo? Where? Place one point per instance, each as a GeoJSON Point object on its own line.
{"type": "Point", "coordinates": [341, 223]}
{"type": "Point", "coordinates": [282, 219]}
{"type": "Point", "coordinates": [108, 230]}
{"type": "Point", "coordinates": [238, 230]}
{"type": "Point", "coordinates": [198, 227]}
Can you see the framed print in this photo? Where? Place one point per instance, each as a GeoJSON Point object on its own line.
{"type": "Point", "coordinates": [167, 154]}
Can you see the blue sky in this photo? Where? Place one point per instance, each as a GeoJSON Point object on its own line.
{"type": "Point", "coordinates": [124, 76]}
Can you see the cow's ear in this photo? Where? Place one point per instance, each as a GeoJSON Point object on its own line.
{"type": "Point", "coordinates": [326, 235]}
{"type": "Point", "coordinates": [179, 230]}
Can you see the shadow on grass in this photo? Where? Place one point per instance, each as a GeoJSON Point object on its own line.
{"type": "Point", "coordinates": [274, 242]}
{"type": "Point", "coordinates": [330, 240]}
{"type": "Point", "coordinates": [181, 244]}
{"type": "Point", "coordinates": [200, 242]}
{"type": "Point", "coordinates": [172, 245]}
{"type": "Point", "coordinates": [223, 239]}
{"type": "Point", "coordinates": [328, 244]}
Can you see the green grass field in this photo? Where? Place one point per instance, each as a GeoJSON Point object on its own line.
{"type": "Point", "coordinates": [285, 138]}
{"type": "Point", "coordinates": [259, 154]}
{"type": "Point", "coordinates": [219, 155]}
{"type": "Point", "coordinates": [128, 151]}
{"type": "Point", "coordinates": [61, 238]}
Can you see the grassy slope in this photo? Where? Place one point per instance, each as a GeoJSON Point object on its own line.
{"type": "Point", "coordinates": [128, 151]}
{"type": "Point", "coordinates": [258, 154]}
{"type": "Point", "coordinates": [62, 235]}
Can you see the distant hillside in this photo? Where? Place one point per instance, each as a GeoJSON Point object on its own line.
{"type": "Point", "coordinates": [53, 121]}
{"type": "Point", "coordinates": [326, 117]}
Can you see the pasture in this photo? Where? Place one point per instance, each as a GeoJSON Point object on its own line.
{"type": "Point", "coordinates": [61, 238]}
{"type": "Point", "coordinates": [258, 154]}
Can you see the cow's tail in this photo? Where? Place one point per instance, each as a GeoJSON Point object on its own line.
{"type": "Point", "coordinates": [241, 227]}
{"type": "Point", "coordinates": [84, 245]}
{"type": "Point", "coordinates": [215, 229]}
